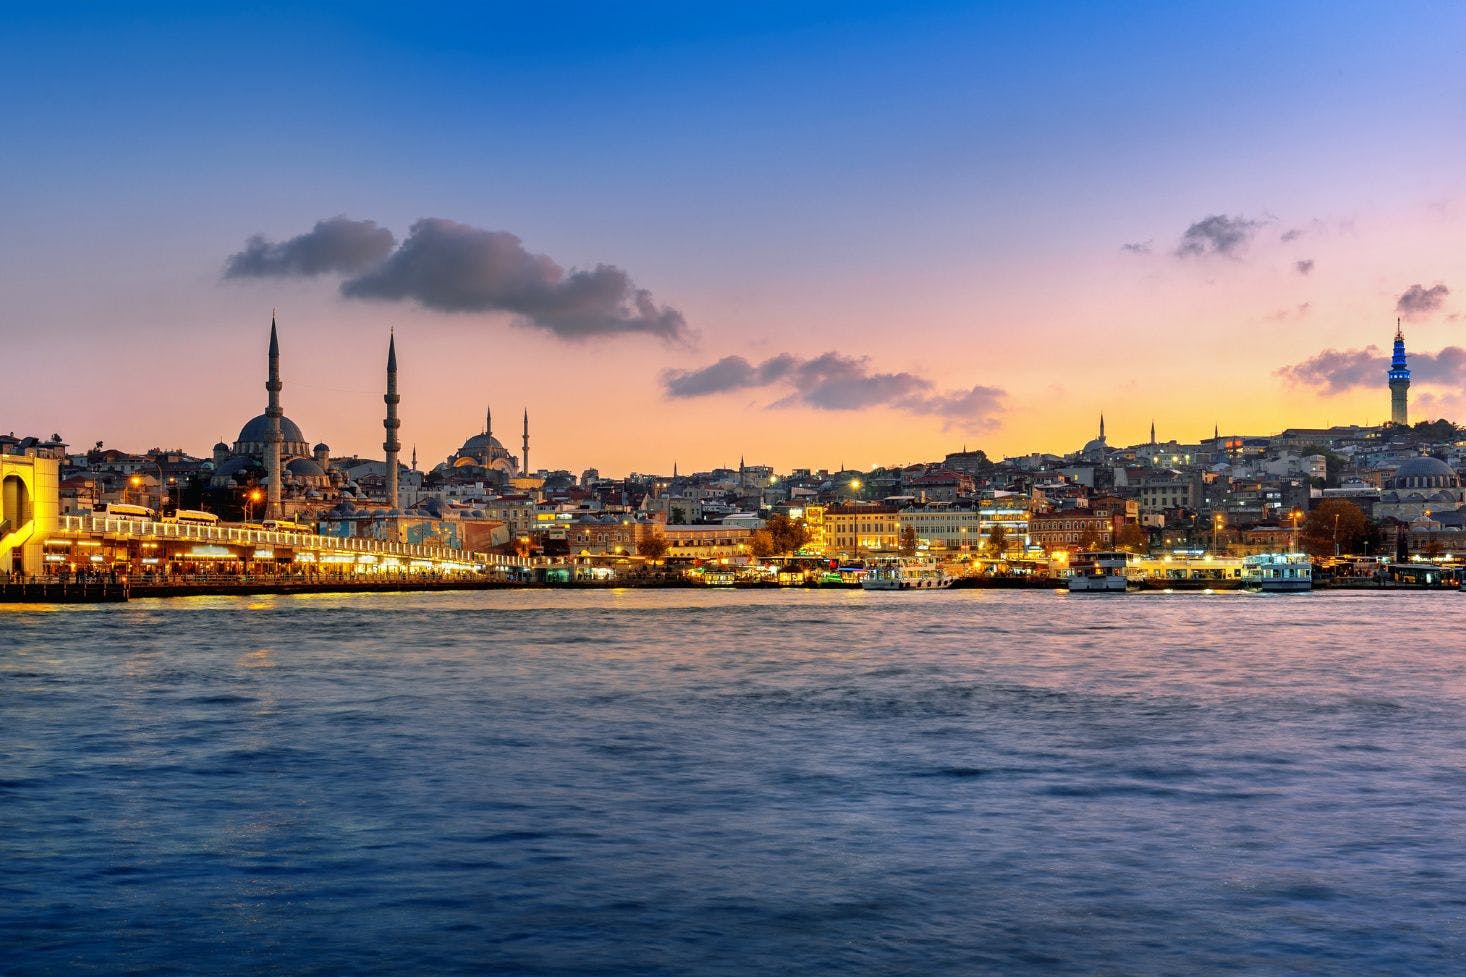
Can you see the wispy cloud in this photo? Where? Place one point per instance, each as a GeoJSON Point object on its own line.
{"type": "Point", "coordinates": [451, 267]}
{"type": "Point", "coordinates": [839, 383]}
{"type": "Point", "coordinates": [1137, 247]}
{"type": "Point", "coordinates": [1304, 267]}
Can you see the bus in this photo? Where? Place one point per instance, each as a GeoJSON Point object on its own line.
{"type": "Point", "coordinates": [286, 526]}
{"type": "Point", "coordinates": [121, 510]}
{"type": "Point", "coordinates": [192, 516]}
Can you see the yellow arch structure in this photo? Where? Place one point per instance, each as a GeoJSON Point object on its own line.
{"type": "Point", "coordinates": [30, 504]}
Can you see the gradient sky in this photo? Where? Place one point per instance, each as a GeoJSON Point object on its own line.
{"type": "Point", "coordinates": [944, 191]}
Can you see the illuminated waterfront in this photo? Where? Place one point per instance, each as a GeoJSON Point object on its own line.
{"type": "Point", "coordinates": [685, 782]}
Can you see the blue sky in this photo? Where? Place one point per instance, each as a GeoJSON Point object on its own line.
{"type": "Point", "coordinates": [909, 183]}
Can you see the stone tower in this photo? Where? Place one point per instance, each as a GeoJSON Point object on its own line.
{"type": "Point", "coordinates": [391, 424]}
{"type": "Point", "coordinates": [273, 505]}
{"type": "Point", "coordinates": [525, 460]}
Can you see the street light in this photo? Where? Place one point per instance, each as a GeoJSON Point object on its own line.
{"type": "Point", "coordinates": [252, 498]}
{"type": "Point", "coordinates": [1216, 526]}
{"type": "Point", "coordinates": [135, 481]}
{"type": "Point", "coordinates": [1336, 534]}
{"type": "Point", "coordinates": [1293, 546]}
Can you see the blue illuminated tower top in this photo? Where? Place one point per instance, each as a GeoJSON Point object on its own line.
{"type": "Point", "coordinates": [1398, 369]}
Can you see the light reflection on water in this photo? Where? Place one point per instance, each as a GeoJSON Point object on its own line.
{"type": "Point", "coordinates": [683, 782]}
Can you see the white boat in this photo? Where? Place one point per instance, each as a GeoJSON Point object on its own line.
{"type": "Point", "coordinates": [1098, 573]}
{"type": "Point", "coordinates": [1278, 573]}
{"type": "Point", "coordinates": [905, 575]}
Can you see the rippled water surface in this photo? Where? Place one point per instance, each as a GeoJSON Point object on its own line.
{"type": "Point", "coordinates": [674, 782]}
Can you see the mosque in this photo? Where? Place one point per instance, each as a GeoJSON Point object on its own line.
{"type": "Point", "coordinates": [483, 456]}
{"type": "Point", "coordinates": [272, 449]}
{"type": "Point", "coordinates": [307, 480]}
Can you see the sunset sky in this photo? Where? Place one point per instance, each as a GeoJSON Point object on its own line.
{"type": "Point", "coordinates": [808, 234]}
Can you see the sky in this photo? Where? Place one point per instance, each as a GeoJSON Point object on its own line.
{"type": "Point", "coordinates": [809, 235]}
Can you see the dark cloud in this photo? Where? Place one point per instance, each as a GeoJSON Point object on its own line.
{"type": "Point", "coordinates": [835, 382]}
{"type": "Point", "coordinates": [1136, 247]}
{"type": "Point", "coordinates": [452, 267]}
{"type": "Point", "coordinates": [1418, 302]}
{"type": "Point", "coordinates": [335, 245]}
{"type": "Point", "coordinates": [1304, 267]}
{"type": "Point", "coordinates": [1336, 371]}
{"type": "Point", "coordinates": [1292, 234]}
{"type": "Point", "coordinates": [1217, 234]}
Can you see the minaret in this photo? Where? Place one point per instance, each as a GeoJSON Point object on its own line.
{"type": "Point", "coordinates": [1152, 432]}
{"type": "Point", "coordinates": [273, 508]}
{"type": "Point", "coordinates": [1102, 426]}
{"type": "Point", "coordinates": [1399, 380]}
{"type": "Point", "coordinates": [526, 442]}
{"type": "Point", "coordinates": [414, 457]}
{"type": "Point", "coordinates": [391, 424]}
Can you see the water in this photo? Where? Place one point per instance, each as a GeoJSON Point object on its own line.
{"type": "Point", "coordinates": [673, 782]}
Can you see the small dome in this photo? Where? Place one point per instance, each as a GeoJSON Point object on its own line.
{"type": "Point", "coordinates": [304, 467]}
{"type": "Point", "coordinates": [322, 447]}
{"type": "Point", "coordinates": [221, 446]}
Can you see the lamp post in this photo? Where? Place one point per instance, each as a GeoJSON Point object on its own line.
{"type": "Point", "coordinates": [1216, 527]}
{"type": "Point", "coordinates": [252, 498]}
{"type": "Point", "coordinates": [1293, 543]}
{"type": "Point", "coordinates": [135, 481]}
{"type": "Point", "coordinates": [1336, 534]}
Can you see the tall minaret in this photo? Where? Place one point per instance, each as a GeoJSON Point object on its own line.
{"type": "Point", "coordinates": [1152, 432]}
{"type": "Point", "coordinates": [391, 424]}
{"type": "Point", "coordinates": [1102, 426]}
{"type": "Point", "coordinates": [526, 441]}
{"type": "Point", "coordinates": [273, 508]}
{"type": "Point", "coordinates": [1399, 380]}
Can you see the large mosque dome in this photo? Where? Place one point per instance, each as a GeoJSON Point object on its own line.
{"type": "Point", "coordinates": [482, 444]}
{"type": "Point", "coordinates": [257, 429]}
{"type": "Point", "coordinates": [1425, 472]}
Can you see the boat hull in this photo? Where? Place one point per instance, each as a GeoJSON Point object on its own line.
{"type": "Point", "coordinates": [1097, 585]}
{"type": "Point", "coordinates": [924, 584]}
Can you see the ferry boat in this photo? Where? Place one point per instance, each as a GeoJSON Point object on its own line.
{"type": "Point", "coordinates": [905, 575]}
{"type": "Point", "coordinates": [1278, 573]}
{"type": "Point", "coordinates": [1099, 573]}
{"type": "Point", "coordinates": [1207, 572]}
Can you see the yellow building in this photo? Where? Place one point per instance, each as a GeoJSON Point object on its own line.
{"type": "Point", "coordinates": [856, 529]}
{"type": "Point", "coordinates": [30, 502]}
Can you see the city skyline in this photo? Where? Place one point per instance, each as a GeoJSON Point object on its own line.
{"type": "Point", "coordinates": [915, 260]}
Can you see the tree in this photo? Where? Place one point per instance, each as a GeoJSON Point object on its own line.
{"type": "Point", "coordinates": [653, 547]}
{"type": "Point", "coordinates": [1089, 539]}
{"type": "Point", "coordinates": [762, 543]}
{"type": "Point", "coordinates": [1131, 537]}
{"type": "Point", "coordinates": [908, 540]}
{"type": "Point", "coordinates": [678, 516]}
{"type": "Point", "coordinates": [788, 534]}
{"type": "Point", "coordinates": [997, 543]}
{"type": "Point", "coordinates": [1335, 526]}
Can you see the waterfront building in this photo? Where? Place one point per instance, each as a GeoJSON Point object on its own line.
{"type": "Point", "coordinates": [952, 526]}
{"type": "Point", "coordinates": [1399, 377]}
{"type": "Point", "coordinates": [707, 542]}
{"type": "Point", "coordinates": [856, 528]}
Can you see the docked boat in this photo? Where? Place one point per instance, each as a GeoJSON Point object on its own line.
{"type": "Point", "coordinates": [1172, 572]}
{"type": "Point", "coordinates": [1099, 573]}
{"type": "Point", "coordinates": [1278, 573]}
{"type": "Point", "coordinates": [905, 575]}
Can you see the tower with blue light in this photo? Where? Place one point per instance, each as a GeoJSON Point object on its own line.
{"type": "Point", "coordinates": [1399, 380]}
